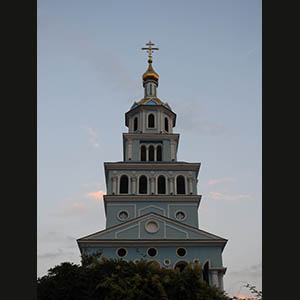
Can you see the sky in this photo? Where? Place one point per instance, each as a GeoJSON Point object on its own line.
{"type": "Point", "coordinates": [90, 66]}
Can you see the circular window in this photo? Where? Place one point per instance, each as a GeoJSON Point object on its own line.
{"type": "Point", "coordinates": [123, 215]}
{"type": "Point", "coordinates": [181, 252]}
{"type": "Point", "coordinates": [152, 226]}
{"type": "Point", "coordinates": [180, 215]}
{"type": "Point", "coordinates": [181, 265]}
{"type": "Point", "coordinates": [152, 252]}
{"type": "Point", "coordinates": [196, 261]}
{"type": "Point", "coordinates": [121, 252]}
{"type": "Point", "coordinates": [167, 262]}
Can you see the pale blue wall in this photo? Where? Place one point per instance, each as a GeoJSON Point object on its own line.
{"type": "Point", "coordinates": [147, 173]}
{"type": "Point", "coordinates": [213, 254]}
{"type": "Point", "coordinates": [135, 209]}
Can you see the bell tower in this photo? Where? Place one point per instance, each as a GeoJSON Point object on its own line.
{"type": "Point", "coordinates": [152, 203]}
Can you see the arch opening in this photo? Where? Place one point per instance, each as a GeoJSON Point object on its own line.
{"type": "Point", "coordinates": [143, 185]}
{"type": "Point", "coordinates": [180, 183]}
{"type": "Point", "coordinates": [124, 184]}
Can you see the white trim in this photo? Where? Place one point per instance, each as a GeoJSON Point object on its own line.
{"type": "Point", "coordinates": [212, 239]}
{"type": "Point", "coordinates": [179, 204]}
{"type": "Point", "coordinates": [120, 205]}
{"type": "Point", "coordinates": [167, 264]}
{"type": "Point", "coordinates": [182, 211]}
{"type": "Point", "coordinates": [119, 183]}
{"type": "Point", "coordinates": [154, 206]}
{"type": "Point", "coordinates": [119, 249]}
{"type": "Point", "coordinates": [180, 260]}
{"type": "Point", "coordinates": [119, 212]}
{"type": "Point", "coordinates": [153, 221]}
{"type": "Point", "coordinates": [125, 229]}
{"type": "Point", "coordinates": [182, 248]}
{"type": "Point", "coordinates": [185, 184]}
{"type": "Point", "coordinates": [186, 233]}
{"type": "Point", "coordinates": [196, 260]}
{"type": "Point", "coordinates": [154, 255]}
{"type": "Point", "coordinates": [138, 184]}
{"type": "Point", "coordinates": [166, 185]}
{"type": "Point", "coordinates": [154, 113]}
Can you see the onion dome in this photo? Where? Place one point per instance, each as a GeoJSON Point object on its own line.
{"type": "Point", "coordinates": [150, 74]}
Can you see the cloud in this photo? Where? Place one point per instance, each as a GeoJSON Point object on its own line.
{"type": "Point", "coordinates": [221, 180]}
{"type": "Point", "coordinates": [220, 196]}
{"type": "Point", "coordinates": [98, 196]}
{"type": "Point", "coordinates": [52, 255]}
{"type": "Point", "coordinates": [189, 116]}
{"type": "Point", "coordinates": [252, 271]}
{"type": "Point", "coordinates": [91, 185]}
{"type": "Point", "coordinates": [80, 207]}
{"type": "Point", "coordinates": [92, 137]}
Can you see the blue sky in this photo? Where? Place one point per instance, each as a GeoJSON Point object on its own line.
{"type": "Point", "coordinates": [89, 74]}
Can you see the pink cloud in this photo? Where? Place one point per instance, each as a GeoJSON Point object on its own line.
{"type": "Point", "coordinates": [79, 207]}
{"type": "Point", "coordinates": [98, 196]}
{"type": "Point", "coordinates": [220, 196]}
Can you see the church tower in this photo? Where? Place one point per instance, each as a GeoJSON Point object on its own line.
{"type": "Point", "coordinates": [151, 204]}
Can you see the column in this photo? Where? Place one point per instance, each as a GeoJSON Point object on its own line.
{"type": "Point", "coordinates": [152, 178]}
{"type": "Point", "coordinates": [171, 180]}
{"type": "Point", "coordinates": [133, 182]}
{"type": "Point", "coordinates": [114, 180]}
{"type": "Point", "coordinates": [172, 150]}
{"type": "Point", "coordinates": [222, 283]}
{"type": "Point", "coordinates": [215, 281]}
{"type": "Point", "coordinates": [147, 153]}
{"type": "Point", "coordinates": [190, 179]}
{"type": "Point", "coordinates": [129, 153]}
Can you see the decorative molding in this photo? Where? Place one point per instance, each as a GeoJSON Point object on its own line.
{"type": "Point", "coordinates": [186, 233]}
{"type": "Point", "coordinates": [159, 208]}
{"type": "Point", "coordinates": [125, 229]}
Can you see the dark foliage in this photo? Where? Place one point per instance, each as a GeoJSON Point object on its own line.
{"type": "Point", "coordinates": [118, 279]}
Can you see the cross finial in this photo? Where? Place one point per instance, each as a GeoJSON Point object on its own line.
{"type": "Point", "coordinates": [150, 49]}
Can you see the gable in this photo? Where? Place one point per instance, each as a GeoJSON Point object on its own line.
{"type": "Point", "coordinates": [151, 102]}
{"type": "Point", "coordinates": [152, 226]}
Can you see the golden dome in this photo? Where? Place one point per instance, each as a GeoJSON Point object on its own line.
{"type": "Point", "coordinates": [150, 73]}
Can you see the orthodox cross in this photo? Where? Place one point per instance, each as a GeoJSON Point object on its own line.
{"type": "Point", "coordinates": [150, 49]}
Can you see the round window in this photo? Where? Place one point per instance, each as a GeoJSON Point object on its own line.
{"type": "Point", "coordinates": [122, 252]}
{"type": "Point", "coordinates": [123, 215]}
{"type": "Point", "coordinates": [152, 252]}
{"type": "Point", "coordinates": [167, 262]}
{"type": "Point", "coordinates": [181, 252]}
{"type": "Point", "coordinates": [180, 215]}
{"type": "Point", "coordinates": [151, 227]}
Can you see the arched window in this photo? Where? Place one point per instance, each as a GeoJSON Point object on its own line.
{"type": "Point", "coordinates": [151, 121]}
{"type": "Point", "coordinates": [143, 185]}
{"type": "Point", "coordinates": [205, 272]}
{"type": "Point", "coordinates": [151, 153]}
{"type": "Point", "coordinates": [166, 124]}
{"type": "Point", "coordinates": [158, 153]}
{"type": "Point", "coordinates": [181, 265]}
{"type": "Point", "coordinates": [161, 182]}
{"type": "Point", "coordinates": [135, 124]}
{"type": "Point", "coordinates": [124, 184]}
{"type": "Point", "coordinates": [143, 153]}
{"type": "Point", "coordinates": [180, 183]}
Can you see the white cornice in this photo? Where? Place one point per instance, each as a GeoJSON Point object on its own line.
{"type": "Point", "coordinates": [151, 136]}
{"type": "Point", "coordinates": [157, 243]}
{"type": "Point", "coordinates": [179, 166]}
{"type": "Point", "coordinates": [151, 198]}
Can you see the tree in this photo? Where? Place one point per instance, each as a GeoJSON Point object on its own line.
{"type": "Point", "coordinates": [118, 279]}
